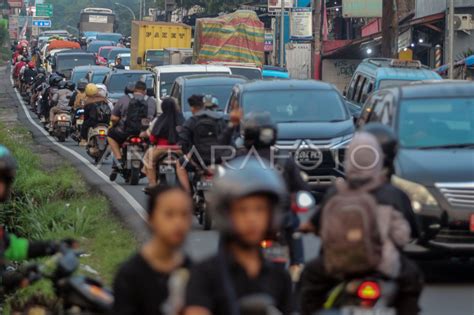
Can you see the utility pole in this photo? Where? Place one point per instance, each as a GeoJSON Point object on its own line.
{"type": "Point", "coordinates": [282, 34]}
{"type": "Point", "coordinates": [317, 45]}
{"type": "Point", "coordinates": [141, 10]}
{"type": "Point", "coordinates": [389, 29]}
{"type": "Point", "coordinates": [451, 39]}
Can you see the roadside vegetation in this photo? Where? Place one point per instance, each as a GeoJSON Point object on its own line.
{"type": "Point", "coordinates": [55, 204]}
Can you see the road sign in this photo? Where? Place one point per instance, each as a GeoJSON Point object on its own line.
{"type": "Point", "coordinates": [42, 23]}
{"type": "Point", "coordinates": [45, 9]}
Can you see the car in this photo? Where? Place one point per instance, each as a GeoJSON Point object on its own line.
{"type": "Point", "coordinates": [102, 54]}
{"type": "Point", "coordinates": [95, 45]}
{"type": "Point", "coordinates": [248, 70]}
{"type": "Point", "coordinates": [166, 75]}
{"type": "Point", "coordinates": [97, 74]}
{"type": "Point", "coordinates": [218, 85]}
{"type": "Point", "coordinates": [83, 72]}
{"type": "Point", "coordinates": [66, 61]}
{"type": "Point", "coordinates": [435, 165]}
{"type": "Point", "coordinates": [373, 74]}
{"type": "Point", "coordinates": [314, 124]}
{"type": "Point", "coordinates": [113, 54]}
{"type": "Point", "coordinates": [117, 80]}
{"type": "Point", "coordinates": [115, 37]}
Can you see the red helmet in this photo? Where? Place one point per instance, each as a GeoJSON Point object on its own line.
{"type": "Point", "coordinates": [31, 65]}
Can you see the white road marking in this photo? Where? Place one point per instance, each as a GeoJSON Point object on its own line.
{"type": "Point", "coordinates": [132, 201]}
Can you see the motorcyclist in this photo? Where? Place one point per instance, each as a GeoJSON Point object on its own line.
{"type": "Point", "coordinates": [118, 64]}
{"type": "Point", "coordinates": [12, 247]}
{"type": "Point", "coordinates": [60, 100]}
{"type": "Point", "coordinates": [147, 282]}
{"type": "Point", "coordinates": [79, 95]}
{"type": "Point", "coordinates": [91, 115]}
{"type": "Point", "coordinates": [29, 74]}
{"type": "Point", "coordinates": [38, 85]}
{"type": "Point", "coordinates": [48, 94]}
{"type": "Point", "coordinates": [16, 70]}
{"type": "Point", "coordinates": [120, 130]}
{"type": "Point", "coordinates": [316, 282]}
{"type": "Point", "coordinates": [198, 145]}
{"type": "Point", "coordinates": [388, 140]}
{"type": "Point", "coordinates": [246, 204]}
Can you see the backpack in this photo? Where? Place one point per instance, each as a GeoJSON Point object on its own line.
{"type": "Point", "coordinates": [103, 113]}
{"type": "Point", "coordinates": [137, 111]}
{"type": "Point", "coordinates": [205, 135]}
{"type": "Point", "coordinates": [350, 233]}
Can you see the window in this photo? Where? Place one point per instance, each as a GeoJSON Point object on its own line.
{"type": "Point", "coordinates": [368, 87]}
{"type": "Point", "coordinates": [376, 114]}
{"type": "Point", "coordinates": [350, 92]}
{"type": "Point", "coordinates": [359, 88]}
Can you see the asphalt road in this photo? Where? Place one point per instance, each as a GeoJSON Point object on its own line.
{"type": "Point", "coordinates": [453, 296]}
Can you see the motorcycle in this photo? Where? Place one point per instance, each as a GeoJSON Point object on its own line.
{"type": "Point", "coordinates": [78, 122]}
{"type": "Point", "coordinates": [363, 296]}
{"type": "Point", "coordinates": [97, 142]}
{"type": "Point", "coordinates": [166, 164]}
{"type": "Point", "coordinates": [76, 294]}
{"type": "Point", "coordinates": [133, 150]}
{"type": "Point", "coordinates": [62, 126]}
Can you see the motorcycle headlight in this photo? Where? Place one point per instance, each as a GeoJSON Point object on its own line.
{"type": "Point", "coordinates": [420, 196]}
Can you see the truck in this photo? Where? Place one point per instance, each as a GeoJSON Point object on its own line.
{"type": "Point", "coordinates": [149, 39]}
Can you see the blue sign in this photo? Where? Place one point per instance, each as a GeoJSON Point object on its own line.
{"type": "Point", "coordinates": [42, 23]}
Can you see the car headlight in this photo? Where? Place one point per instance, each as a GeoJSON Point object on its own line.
{"type": "Point", "coordinates": [420, 196]}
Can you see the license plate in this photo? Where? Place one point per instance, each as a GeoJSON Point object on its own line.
{"type": "Point", "coordinates": [276, 253]}
{"type": "Point", "coordinates": [63, 124]}
{"type": "Point", "coordinates": [204, 185]}
{"type": "Point", "coordinates": [79, 122]}
{"type": "Point", "coordinates": [368, 311]}
{"type": "Point", "coordinates": [167, 169]}
{"type": "Point", "coordinates": [308, 156]}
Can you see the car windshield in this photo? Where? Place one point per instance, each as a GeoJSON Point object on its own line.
{"type": "Point", "coordinates": [118, 82]}
{"type": "Point", "coordinates": [425, 123]}
{"type": "Point", "coordinates": [104, 52]}
{"type": "Point", "coordinates": [94, 46]}
{"type": "Point", "coordinates": [296, 105]}
{"type": "Point", "coordinates": [393, 83]}
{"type": "Point", "coordinates": [126, 61]}
{"type": "Point", "coordinates": [155, 57]}
{"type": "Point", "coordinates": [220, 91]}
{"type": "Point", "coordinates": [249, 73]}
{"type": "Point", "coordinates": [114, 52]}
{"type": "Point", "coordinates": [98, 77]}
{"type": "Point", "coordinates": [167, 79]}
{"type": "Point", "coordinates": [77, 75]}
{"type": "Point", "coordinates": [68, 62]}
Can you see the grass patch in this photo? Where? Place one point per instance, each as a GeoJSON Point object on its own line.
{"type": "Point", "coordinates": [57, 204]}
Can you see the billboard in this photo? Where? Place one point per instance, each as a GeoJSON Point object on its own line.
{"type": "Point", "coordinates": [362, 8]}
{"type": "Point", "coordinates": [301, 24]}
{"type": "Point", "coordinates": [275, 5]}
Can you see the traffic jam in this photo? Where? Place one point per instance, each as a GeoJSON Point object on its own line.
{"type": "Point", "coordinates": [308, 185]}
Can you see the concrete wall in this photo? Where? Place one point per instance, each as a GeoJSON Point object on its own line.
{"type": "Point", "coordinates": [429, 7]}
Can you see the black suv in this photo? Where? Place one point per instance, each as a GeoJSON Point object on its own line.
{"type": "Point", "coordinates": [435, 166]}
{"type": "Point", "coordinates": [314, 124]}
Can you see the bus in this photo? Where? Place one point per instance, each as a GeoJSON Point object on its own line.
{"type": "Point", "coordinates": [97, 20]}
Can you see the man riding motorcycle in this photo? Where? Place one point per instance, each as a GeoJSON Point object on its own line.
{"type": "Point", "coordinates": [48, 94]}
{"type": "Point", "coordinates": [92, 113]}
{"type": "Point", "coordinates": [247, 206]}
{"type": "Point", "coordinates": [79, 95]}
{"type": "Point", "coordinates": [29, 75]}
{"type": "Point", "coordinates": [60, 100]}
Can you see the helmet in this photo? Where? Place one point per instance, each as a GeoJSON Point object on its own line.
{"type": "Point", "coordinates": [387, 139]}
{"type": "Point", "coordinates": [129, 88]}
{"type": "Point", "coordinates": [62, 85]}
{"type": "Point", "coordinates": [31, 65]}
{"type": "Point", "coordinates": [8, 168]}
{"type": "Point", "coordinates": [210, 101]}
{"type": "Point", "coordinates": [259, 131]}
{"type": "Point", "coordinates": [41, 70]}
{"type": "Point", "coordinates": [81, 85]}
{"type": "Point", "coordinates": [102, 90]}
{"type": "Point", "coordinates": [91, 89]}
{"type": "Point", "coordinates": [56, 80]}
{"type": "Point", "coordinates": [235, 184]}
{"type": "Point", "coordinates": [70, 85]}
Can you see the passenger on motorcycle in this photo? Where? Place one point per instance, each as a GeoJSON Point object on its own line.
{"type": "Point", "coordinates": [79, 96]}
{"type": "Point", "coordinates": [199, 137]}
{"type": "Point", "coordinates": [48, 94]}
{"type": "Point", "coordinates": [364, 170]}
{"type": "Point", "coordinates": [96, 111]}
{"type": "Point", "coordinates": [127, 118]}
{"type": "Point", "coordinates": [14, 248]}
{"type": "Point", "coordinates": [16, 70]}
{"type": "Point", "coordinates": [246, 203]}
{"type": "Point", "coordinates": [29, 74]}
{"type": "Point", "coordinates": [163, 131]}
{"type": "Point", "coordinates": [142, 284]}
{"type": "Point", "coordinates": [60, 101]}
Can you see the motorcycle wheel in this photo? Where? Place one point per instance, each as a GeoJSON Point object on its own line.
{"type": "Point", "coordinates": [207, 220]}
{"type": "Point", "coordinates": [170, 179]}
{"type": "Point", "coordinates": [62, 138]}
{"type": "Point", "coordinates": [134, 176]}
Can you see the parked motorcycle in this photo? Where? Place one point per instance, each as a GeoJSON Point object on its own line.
{"type": "Point", "coordinates": [97, 142]}
{"type": "Point", "coordinates": [166, 164]}
{"type": "Point", "coordinates": [364, 296]}
{"type": "Point", "coordinates": [62, 126]}
{"type": "Point", "coordinates": [76, 294]}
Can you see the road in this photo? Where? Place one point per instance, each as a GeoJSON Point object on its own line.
{"type": "Point", "coordinates": [451, 298]}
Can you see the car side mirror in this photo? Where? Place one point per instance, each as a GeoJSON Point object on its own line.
{"type": "Point", "coordinates": [139, 60]}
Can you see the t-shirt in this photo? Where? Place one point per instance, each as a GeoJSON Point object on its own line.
{"type": "Point", "coordinates": [139, 289]}
{"type": "Point", "coordinates": [121, 108]}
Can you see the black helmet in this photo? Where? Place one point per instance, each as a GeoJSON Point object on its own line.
{"type": "Point", "coordinates": [56, 80]}
{"type": "Point", "coordinates": [7, 170]}
{"type": "Point", "coordinates": [241, 178]}
{"type": "Point", "coordinates": [387, 139]}
{"type": "Point", "coordinates": [70, 85]}
{"type": "Point", "coordinates": [62, 85]}
{"type": "Point", "coordinates": [41, 70]}
{"type": "Point", "coordinates": [259, 130]}
{"type": "Point", "coordinates": [81, 85]}
{"type": "Point", "coordinates": [129, 88]}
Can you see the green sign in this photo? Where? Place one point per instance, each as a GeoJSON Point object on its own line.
{"type": "Point", "coordinates": [44, 9]}
{"type": "Point", "coordinates": [361, 8]}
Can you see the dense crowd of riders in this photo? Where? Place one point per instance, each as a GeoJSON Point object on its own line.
{"type": "Point", "coordinates": [251, 202]}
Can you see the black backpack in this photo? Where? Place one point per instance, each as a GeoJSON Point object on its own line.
{"type": "Point", "coordinates": [206, 132]}
{"type": "Point", "coordinates": [137, 111]}
{"type": "Point", "coordinates": [103, 113]}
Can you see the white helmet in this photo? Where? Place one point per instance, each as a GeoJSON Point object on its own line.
{"type": "Point", "coordinates": [102, 90]}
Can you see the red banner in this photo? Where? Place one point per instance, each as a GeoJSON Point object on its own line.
{"type": "Point", "coordinates": [15, 3]}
